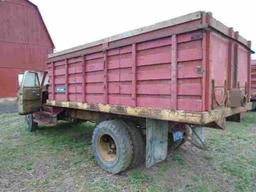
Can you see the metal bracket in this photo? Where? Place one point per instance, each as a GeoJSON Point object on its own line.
{"type": "Point", "coordinates": [200, 70]}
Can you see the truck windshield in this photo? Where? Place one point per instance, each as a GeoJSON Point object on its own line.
{"type": "Point", "coordinates": [30, 79]}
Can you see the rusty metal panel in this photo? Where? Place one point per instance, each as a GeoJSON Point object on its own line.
{"type": "Point", "coordinates": [170, 67]}
{"type": "Point", "coordinates": [236, 98]}
{"type": "Point", "coordinates": [24, 41]}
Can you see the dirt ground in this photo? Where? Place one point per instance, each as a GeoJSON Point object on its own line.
{"type": "Point", "coordinates": [60, 159]}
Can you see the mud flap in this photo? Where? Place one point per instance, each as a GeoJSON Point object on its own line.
{"type": "Point", "coordinates": [157, 141]}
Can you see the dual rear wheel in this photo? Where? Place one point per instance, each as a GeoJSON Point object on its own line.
{"type": "Point", "coordinates": [118, 145]}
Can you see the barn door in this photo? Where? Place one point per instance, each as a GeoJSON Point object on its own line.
{"type": "Point", "coordinates": [29, 95]}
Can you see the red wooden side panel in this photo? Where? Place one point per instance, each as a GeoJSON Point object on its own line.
{"type": "Point", "coordinates": [152, 83]}
{"type": "Point", "coordinates": [218, 66]}
{"type": "Point", "coordinates": [180, 67]}
{"type": "Point", "coordinates": [190, 55]}
{"type": "Point", "coordinates": [242, 67]}
{"type": "Point", "coordinates": [228, 66]}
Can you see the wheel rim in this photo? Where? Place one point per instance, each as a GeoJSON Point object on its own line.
{"type": "Point", "coordinates": [107, 148]}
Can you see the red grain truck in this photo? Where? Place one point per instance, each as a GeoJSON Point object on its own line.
{"type": "Point", "coordinates": [145, 88]}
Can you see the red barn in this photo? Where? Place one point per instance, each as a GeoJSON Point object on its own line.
{"type": "Point", "coordinates": [24, 43]}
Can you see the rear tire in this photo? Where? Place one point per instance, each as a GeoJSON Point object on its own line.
{"type": "Point", "coordinates": [31, 124]}
{"type": "Point", "coordinates": [112, 146]}
{"type": "Point", "coordinates": [138, 145]}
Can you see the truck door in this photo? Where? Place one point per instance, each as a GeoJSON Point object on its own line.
{"type": "Point", "coordinates": [29, 94]}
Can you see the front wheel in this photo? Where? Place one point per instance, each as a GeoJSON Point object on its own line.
{"type": "Point", "coordinates": [31, 124]}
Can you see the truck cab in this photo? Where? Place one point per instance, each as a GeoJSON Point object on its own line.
{"type": "Point", "coordinates": [33, 92]}
{"type": "Point", "coordinates": [32, 96]}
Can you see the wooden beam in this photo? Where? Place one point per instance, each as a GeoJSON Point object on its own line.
{"type": "Point", "coordinates": [83, 79]}
{"type": "Point", "coordinates": [66, 79]}
{"type": "Point", "coordinates": [174, 73]}
{"type": "Point", "coordinates": [206, 77]}
{"type": "Point", "coordinates": [134, 75]}
{"type": "Point", "coordinates": [53, 81]}
{"type": "Point", "coordinates": [199, 118]}
{"type": "Point", "coordinates": [105, 58]}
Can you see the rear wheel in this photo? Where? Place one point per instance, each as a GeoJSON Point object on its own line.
{"type": "Point", "coordinates": [138, 145]}
{"type": "Point", "coordinates": [112, 146]}
{"type": "Point", "coordinates": [31, 124]}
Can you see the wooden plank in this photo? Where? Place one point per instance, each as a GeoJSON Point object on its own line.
{"type": "Point", "coordinates": [99, 48]}
{"type": "Point", "coordinates": [174, 73]}
{"type": "Point", "coordinates": [157, 141]}
{"type": "Point", "coordinates": [199, 118]}
{"type": "Point", "coordinates": [53, 81]}
{"type": "Point", "coordinates": [230, 60]}
{"type": "Point", "coordinates": [249, 75]}
{"type": "Point", "coordinates": [105, 77]}
{"type": "Point", "coordinates": [66, 80]}
{"type": "Point", "coordinates": [83, 80]}
{"type": "Point", "coordinates": [235, 71]}
{"type": "Point", "coordinates": [206, 81]}
{"type": "Point", "coordinates": [134, 75]}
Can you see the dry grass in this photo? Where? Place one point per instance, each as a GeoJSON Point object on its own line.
{"type": "Point", "coordinates": [60, 159]}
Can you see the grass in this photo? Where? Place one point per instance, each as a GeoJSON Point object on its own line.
{"type": "Point", "coordinates": [137, 177]}
{"type": "Point", "coordinates": [60, 159]}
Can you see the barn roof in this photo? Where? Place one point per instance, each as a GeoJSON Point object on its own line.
{"type": "Point", "coordinates": [49, 36]}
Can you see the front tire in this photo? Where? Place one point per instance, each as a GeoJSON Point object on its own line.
{"type": "Point", "coordinates": [112, 146]}
{"type": "Point", "coordinates": [31, 124]}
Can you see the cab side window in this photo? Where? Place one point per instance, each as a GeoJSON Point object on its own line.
{"type": "Point", "coordinates": [30, 80]}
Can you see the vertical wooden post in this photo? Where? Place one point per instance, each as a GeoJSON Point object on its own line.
{"type": "Point", "coordinates": [53, 82]}
{"type": "Point", "coordinates": [83, 79]}
{"type": "Point", "coordinates": [248, 88]}
{"type": "Point", "coordinates": [134, 75]}
{"type": "Point", "coordinates": [174, 73]}
{"type": "Point", "coordinates": [157, 141]}
{"type": "Point", "coordinates": [230, 61]}
{"type": "Point", "coordinates": [206, 77]}
{"type": "Point", "coordinates": [105, 58]}
{"type": "Point", "coordinates": [66, 80]}
{"type": "Point", "coordinates": [235, 83]}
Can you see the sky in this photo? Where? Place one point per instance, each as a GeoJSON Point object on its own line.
{"type": "Point", "coordinates": [76, 22]}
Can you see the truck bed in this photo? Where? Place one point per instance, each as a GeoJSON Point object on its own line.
{"type": "Point", "coordinates": [177, 70]}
